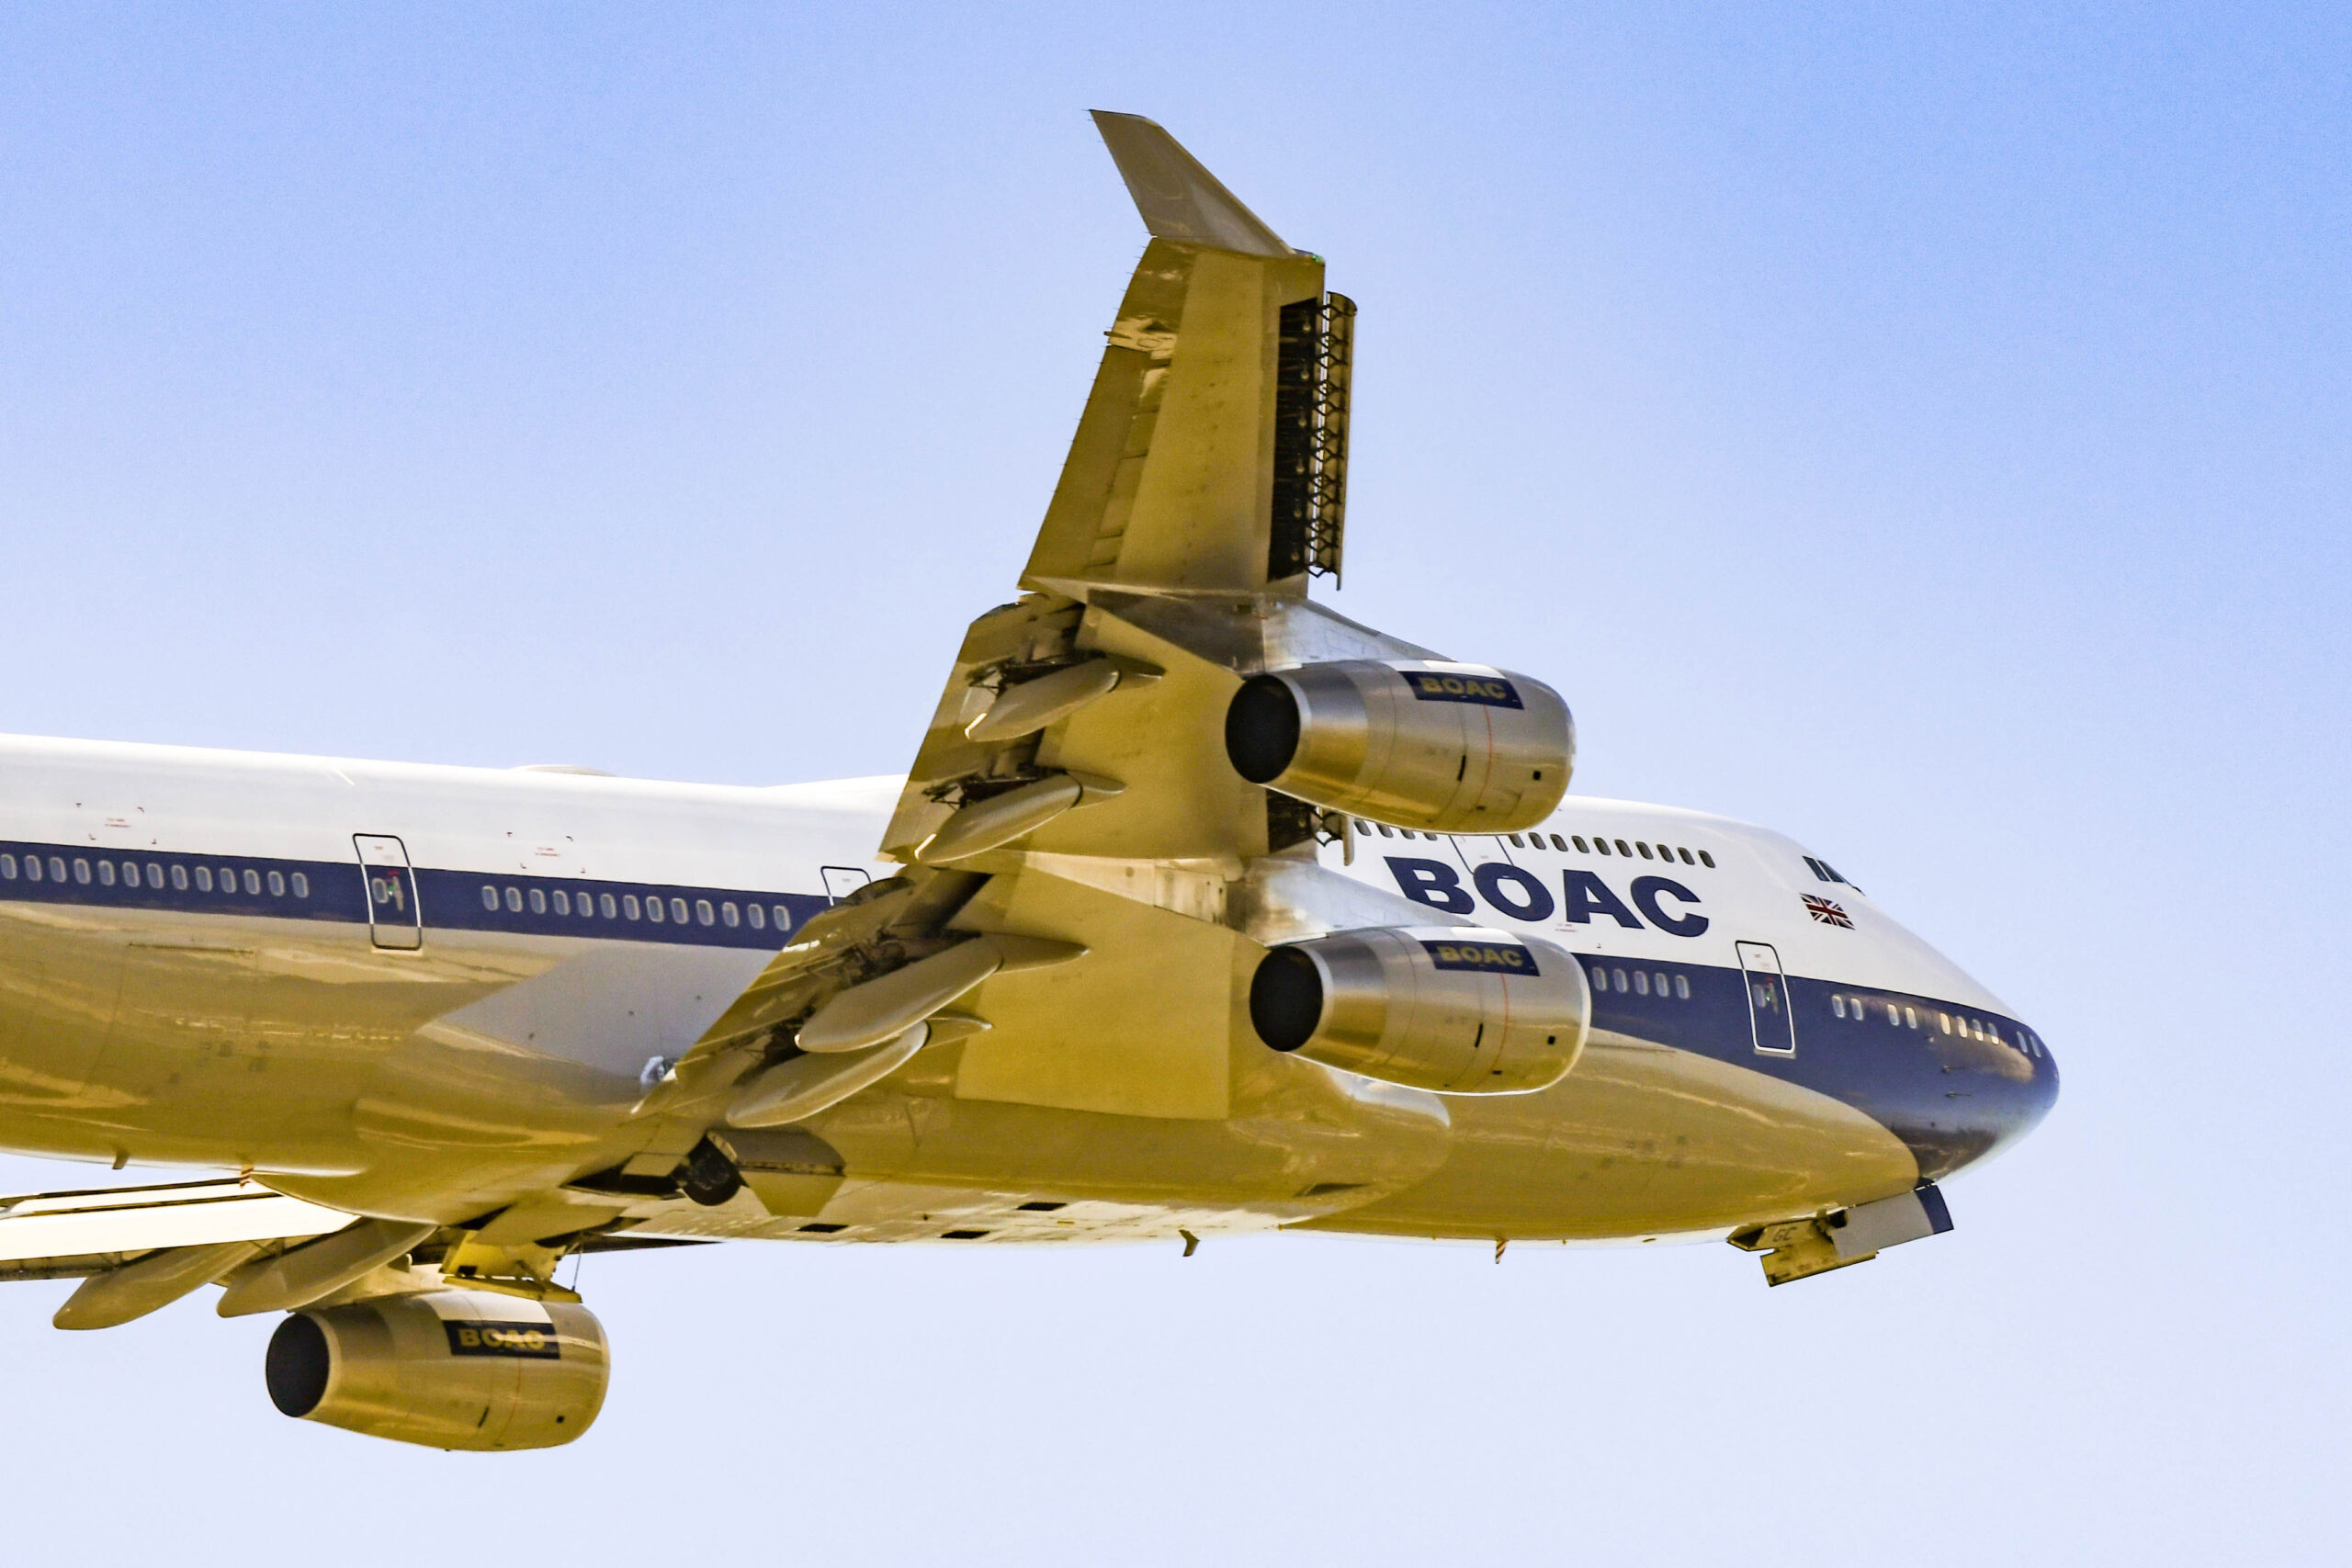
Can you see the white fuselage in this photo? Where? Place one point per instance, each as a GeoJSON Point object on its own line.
{"type": "Point", "coordinates": [219, 959]}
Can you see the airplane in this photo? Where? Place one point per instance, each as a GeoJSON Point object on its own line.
{"type": "Point", "coordinates": [1202, 912]}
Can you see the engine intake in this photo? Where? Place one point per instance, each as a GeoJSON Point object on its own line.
{"type": "Point", "coordinates": [447, 1368]}
{"type": "Point", "coordinates": [1448, 748]}
{"type": "Point", "coordinates": [1456, 1009]}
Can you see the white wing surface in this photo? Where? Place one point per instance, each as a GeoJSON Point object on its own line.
{"type": "Point", "coordinates": [49, 1235]}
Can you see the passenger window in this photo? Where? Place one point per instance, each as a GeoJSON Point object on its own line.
{"type": "Point", "coordinates": [489, 895]}
{"type": "Point", "coordinates": [81, 872]}
{"type": "Point", "coordinates": [1944, 1019]}
{"type": "Point", "coordinates": [1686, 856]}
{"type": "Point", "coordinates": [1682, 987]}
{"type": "Point", "coordinates": [782, 917]}
{"type": "Point", "coordinates": [606, 906]}
{"type": "Point", "coordinates": [277, 884]}
{"type": "Point", "coordinates": [726, 913]}
{"type": "Point", "coordinates": [1577, 839]}
{"type": "Point", "coordinates": [1515, 843]}
{"type": "Point", "coordinates": [538, 902]}
{"type": "Point", "coordinates": [1706, 860]}
{"type": "Point", "coordinates": [678, 910]}
{"type": "Point", "coordinates": [758, 916]}
{"type": "Point", "coordinates": [179, 879]}
{"type": "Point", "coordinates": [703, 914]}
{"type": "Point", "coordinates": [1910, 1018]}
{"type": "Point", "coordinates": [301, 884]}
{"type": "Point", "coordinates": [154, 875]}
{"type": "Point", "coordinates": [131, 873]}
{"type": "Point", "coordinates": [628, 904]}
{"type": "Point", "coordinates": [562, 901]}
{"type": "Point", "coordinates": [1641, 983]}
{"type": "Point", "coordinates": [655, 912]}
{"type": "Point", "coordinates": [1560, 844]}
{"type": "Point", "coordinates": [1601, 844]}
{"type": "Point", "coordinates": [105, 872]}
{"type": "Point", "coordinates": [513, 900]}
{"type": "Point", "coordinates": [1644, 848]}
{"type": "Point", "coordinates": [253, 881]}
{"type": "Point", "coordinates": [7, 868]}
{"type": "Point", "coordinates": [33, 868]}
{"type": "Point", "coordinates": [1659, 983]}
{"type": "Point", "coordinates": [1600, 978]}
{"type": "Point", "coordinates": [1386, 832]}
{"type": "Point", "coordinates": [1619, 976]}
{"type": "Point", "coordinates": [1837, 1006]}
{"type": "Point", "coordinates": [204, 879]}
{"type": "Point", "coordinates": [1622, 848]}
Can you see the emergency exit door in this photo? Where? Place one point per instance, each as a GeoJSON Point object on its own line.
{"type": "Point", "coordinates": [1769, 1014]}
{"type": "Point", "coordinates": [393, 919]}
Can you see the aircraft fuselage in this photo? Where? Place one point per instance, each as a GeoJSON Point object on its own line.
{"type": "Point", "coordinates": [424, 991]}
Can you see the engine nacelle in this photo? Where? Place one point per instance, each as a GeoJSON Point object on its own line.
{"type": "Point", "coordinates": [447, 1368]}
{"type": "Point", "coordinates": [1456, 1009]}
{"type": "Point", "coordinates": [1449, 748]}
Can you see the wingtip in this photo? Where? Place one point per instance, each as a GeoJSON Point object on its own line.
{"type": "Point", "coordinates": [1178, 198]}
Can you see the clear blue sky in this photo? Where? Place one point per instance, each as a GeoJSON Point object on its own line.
{"type": "Point", "coordinates": [1923, 432]}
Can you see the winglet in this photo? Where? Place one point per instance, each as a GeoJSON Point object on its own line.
{"type": "Point", "coordinates": [1180, 199]}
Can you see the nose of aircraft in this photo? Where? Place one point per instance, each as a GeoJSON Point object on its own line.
{"type": "Point", "coordinates": [2007, 1096]}
{"type": "Point", "coordinates": [1990, 1098]}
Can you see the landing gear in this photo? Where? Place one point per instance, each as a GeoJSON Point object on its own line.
{"type": "Point", "coordinates": [709, 1176]}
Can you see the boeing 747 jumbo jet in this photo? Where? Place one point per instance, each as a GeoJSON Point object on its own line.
{"type": "Point", "coordinates": [1203, 911]}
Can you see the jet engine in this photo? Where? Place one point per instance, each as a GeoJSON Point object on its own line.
{"type": "Point", "coordinates": [1456, 1009]}
{"type": "Point", "coordinates": [1449, 748]}
{"type": "Point", "coordinates": [447, 1368]}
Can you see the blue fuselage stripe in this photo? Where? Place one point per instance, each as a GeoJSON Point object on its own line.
{"type": "Point", "coordinates": [447, 900]}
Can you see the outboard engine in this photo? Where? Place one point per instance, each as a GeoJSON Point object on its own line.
{"type": "Point", "coordinates": [1414, 743]}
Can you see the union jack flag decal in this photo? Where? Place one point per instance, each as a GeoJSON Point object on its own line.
{"type": "Point", "coordinates": [1827, 912]}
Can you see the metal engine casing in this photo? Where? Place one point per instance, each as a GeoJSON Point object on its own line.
{"type": "Point", "coordinates": [1414, 743]}
{"type": "Point", "coordinates": [1453, 1009]}
{"type": "Point", "coordinates": [447, 1368]}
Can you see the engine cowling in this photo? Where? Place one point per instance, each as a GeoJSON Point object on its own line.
{"type": "Point", "coordinates": [1455, 1009]}
{"type": "Point", "coordinates": [447, 1368]}
{"type": "Point", "coordinates": [1449, 748]}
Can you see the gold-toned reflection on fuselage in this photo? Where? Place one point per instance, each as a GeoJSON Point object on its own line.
{"type": "Point", "coordinates": [435, 1084]}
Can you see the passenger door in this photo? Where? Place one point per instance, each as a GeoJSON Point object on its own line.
{"type": "Point", "coordinates": [1769, 1017]}
{"type": "Point", "coordinates": [841, 881]}
{"type": "Point", "coordinates": [393, 919]}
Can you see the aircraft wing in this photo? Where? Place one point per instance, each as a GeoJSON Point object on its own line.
{"type": "Point", "coordinates": [1073, 833]}
{"type": "Point", "coordinates": [1073, 776]}
{"type": "Point", "coordinates": [56, 1236]}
